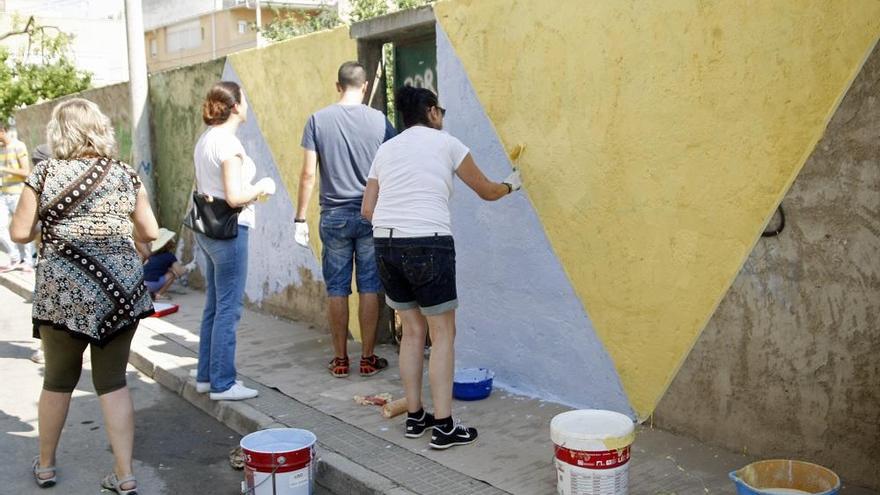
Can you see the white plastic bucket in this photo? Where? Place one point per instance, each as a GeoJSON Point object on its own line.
{"type": "Point", "coordinates": [592, 452]}
{"type": "Point", "coordinates": [279, 461]}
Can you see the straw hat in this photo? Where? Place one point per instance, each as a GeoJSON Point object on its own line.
{"type": "Point", "coordinates": [165, 236]}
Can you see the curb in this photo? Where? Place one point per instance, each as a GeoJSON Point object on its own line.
{"type": "Point", "coordinates": [335, 472]}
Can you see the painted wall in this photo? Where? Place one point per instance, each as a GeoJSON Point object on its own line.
{"type": "Point", "coordinates": [517, 305]}
{"type": "Point", "coordinates": [114, 102]}
{"type": "Point", "coordinates": [283, 277]}
{"type": "Point", "coordinates": [176, 98]}
{"type": "Point", "coordinates": [285, 83]}
{"type": "Point", "coordinates": [659, 148]}
{"type": "Point", "coordinates": [789, 364]}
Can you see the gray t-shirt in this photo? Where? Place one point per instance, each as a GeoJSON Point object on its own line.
{"type": "Point", "coordinates": [345, 138]}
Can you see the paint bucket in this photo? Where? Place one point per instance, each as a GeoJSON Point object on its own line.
{"type": "Point", "coordinates": [780, 476]}
{"type": "Point", "coordinates": [472, 383]}
{"type": "Point", "coordinates": [592, 452]}
{"type": "Point", "coordinates": [279, 461]}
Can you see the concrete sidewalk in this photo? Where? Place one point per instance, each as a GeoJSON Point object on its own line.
{"type": "Point", "coordinates": [361, 452]}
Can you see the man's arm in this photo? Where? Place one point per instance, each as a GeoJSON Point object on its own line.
{"type": "Point", "coordinates": [306, 182]}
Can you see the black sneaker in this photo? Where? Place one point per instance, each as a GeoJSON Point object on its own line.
{"type": "Point", "coordinates": [415, 427]}
{"type": "Point", "coordinates": [457, 435]}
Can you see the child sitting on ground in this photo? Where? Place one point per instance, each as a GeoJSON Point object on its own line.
{"type": "Point", "coordinates": [162, 267]}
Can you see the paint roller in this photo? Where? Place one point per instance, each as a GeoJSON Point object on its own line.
{"type": "Point", "coordinates": [394, 408]}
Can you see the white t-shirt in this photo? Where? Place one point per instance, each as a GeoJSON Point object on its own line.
{"type": "Point", "coordinates": [215, 146]}
{"type": "Point", "coordinates": [415, 172]}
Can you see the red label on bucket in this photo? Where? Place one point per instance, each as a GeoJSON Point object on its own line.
{"type": "Point", "coordinates": [278, 462]}
{"type": "Point", "coordinates": [605, 459]}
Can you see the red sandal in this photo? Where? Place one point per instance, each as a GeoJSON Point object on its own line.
{"type": "Point", "coordinates": [372, 365]}
{"type": "Point", "coordinates": [339, 367]}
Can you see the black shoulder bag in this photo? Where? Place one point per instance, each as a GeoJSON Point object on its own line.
{"type": "Point", "coordinates": [212, 216]}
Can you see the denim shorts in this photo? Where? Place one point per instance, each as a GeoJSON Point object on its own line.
{"type": "Point", "coordinates": [418, 272]}
{"type": "Point", "coordinates": [348, 243]}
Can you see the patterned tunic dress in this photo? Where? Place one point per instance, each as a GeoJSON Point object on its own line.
{"type": "Point", "coordinates": [90, 280]}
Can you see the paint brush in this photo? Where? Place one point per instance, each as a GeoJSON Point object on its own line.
{"type": "Point", "coordinates": [516, 152]}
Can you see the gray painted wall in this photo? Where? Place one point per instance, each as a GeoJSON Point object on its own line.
{"type": "Point", "coordinates": [789, 365]}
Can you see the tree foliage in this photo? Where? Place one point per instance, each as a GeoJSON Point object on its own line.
{"type": "Point", "coordinates": [286, 26]}
{"type": "Point", "coordinates": [41, 71]}
{"type": "Point", "coordinates": [326, 17]}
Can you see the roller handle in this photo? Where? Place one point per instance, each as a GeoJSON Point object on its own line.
{"type": "Point", "coordinates": [394, 408]}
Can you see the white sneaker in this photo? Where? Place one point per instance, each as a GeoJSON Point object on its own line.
{"type": "Point", "coordinates": [205, 387]}
{"type": "Point", "coordinates": [235, 392]}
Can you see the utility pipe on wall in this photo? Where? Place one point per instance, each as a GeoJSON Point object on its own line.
{"type": "Point", "coordinates": [259, 23]}
{"type": "Point", "coordinates": [142, 157]}
{"type": "Point", "coordinates": [213, 28]}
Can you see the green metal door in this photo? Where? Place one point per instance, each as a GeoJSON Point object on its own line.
{"type": "Point", "coordinates": [415, 64]}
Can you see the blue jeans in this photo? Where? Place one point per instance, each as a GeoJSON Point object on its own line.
{"type": "Point", "coordinates": [225, 275]}
{"type": "Point", "coordinates": [348, 243]}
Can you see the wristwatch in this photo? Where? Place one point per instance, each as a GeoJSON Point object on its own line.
{"type": "Point", "coordinates": [299, 220]}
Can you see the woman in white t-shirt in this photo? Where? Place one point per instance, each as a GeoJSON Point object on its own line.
{"type": "Point", "coordinates": [407, 200]}
{"type": "Point", "coordinates": [225, 171]}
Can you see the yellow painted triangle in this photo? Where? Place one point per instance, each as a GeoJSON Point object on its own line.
{"type": "Point", "coordinates": [661, 135]}
{"type": "Point", "coordinates": [285, 83]}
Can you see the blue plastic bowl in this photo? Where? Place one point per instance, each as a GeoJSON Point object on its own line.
{"type": "Point", "coordinates": [780, 476]}
{"type": "Point", "coordinates": [472, 383]}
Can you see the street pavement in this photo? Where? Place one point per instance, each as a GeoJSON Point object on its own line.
{"type": "Point", "coordinates": [360, 451]}
{"type": "Point", "coordinates": [178, 448]}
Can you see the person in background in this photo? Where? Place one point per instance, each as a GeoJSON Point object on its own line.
{"type": "Point", "coordinates": [162, 267]}
{"type": "Point", "coordinates": [89, 290]}
{"type": "Point", "coordinates": [407, 199]}
{"type": "Point", "coordinates": [341, 141]}
{"type": "Point", "coordinates": [41, 153]}
{"type": "Point", "coordinates": [225, 171]}
{"type": "Point", "coordinates": [14, 169]}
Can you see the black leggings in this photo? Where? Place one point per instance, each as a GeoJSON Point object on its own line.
{"type": "Point", "coordinates": [63, 357]}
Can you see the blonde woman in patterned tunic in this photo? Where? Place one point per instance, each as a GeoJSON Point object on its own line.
{"type": "Point", "coordinates": [90, 284]}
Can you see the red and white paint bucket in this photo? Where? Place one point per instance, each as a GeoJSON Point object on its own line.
{"type": "Point", "coordinates": [279, 461]}
{"type": "Point", "coordinates": [592, 452]}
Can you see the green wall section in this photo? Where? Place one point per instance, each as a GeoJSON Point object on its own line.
{"type": "Point", "coordinates": [176, 104]}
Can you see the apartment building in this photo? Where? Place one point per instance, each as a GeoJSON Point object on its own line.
{"type": "Point", "coordinates": [184, 32]}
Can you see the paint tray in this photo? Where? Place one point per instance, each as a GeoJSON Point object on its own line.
{"type": "Point", "coordinates": [472, 383]}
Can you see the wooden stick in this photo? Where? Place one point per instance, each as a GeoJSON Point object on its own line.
{"type": "Point", "coordinates": [394, 408]}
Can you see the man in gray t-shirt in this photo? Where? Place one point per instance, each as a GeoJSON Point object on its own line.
{"type": "Point", "coordinates": [341, 140]}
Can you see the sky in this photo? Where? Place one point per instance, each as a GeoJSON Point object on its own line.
{"type": "Point", "coordinates": [90, 9]}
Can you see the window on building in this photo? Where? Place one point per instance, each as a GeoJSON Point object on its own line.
{"type": "Point", "coordinates": [154, 47]}
{"type": "Point", "coordinates": [183, 36]}
{"type": "Point", "coordinates": [242, 27]}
